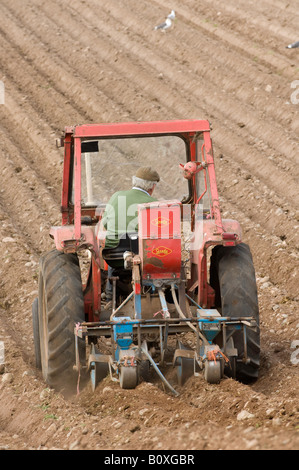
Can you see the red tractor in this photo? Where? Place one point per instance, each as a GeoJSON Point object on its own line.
{"type": "Point", "coordinates": [185, 270]}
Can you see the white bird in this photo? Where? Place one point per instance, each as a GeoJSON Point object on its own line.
{"type": "Point", "coordinates": [292, 46]}
{"type": "Point", "coordinates": [167, 23]}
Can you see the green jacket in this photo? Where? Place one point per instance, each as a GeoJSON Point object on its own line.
{"type": "Point", "coordinates": [121, 214]}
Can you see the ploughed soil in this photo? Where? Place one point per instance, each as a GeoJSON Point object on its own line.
{"type": "Point", "coordinates": [65, 63]}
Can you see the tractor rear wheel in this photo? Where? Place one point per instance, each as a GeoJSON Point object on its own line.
{"type": "Point", "coordinates": [233, 278]}
{"type": "Point", "coordinates": [60, 307]}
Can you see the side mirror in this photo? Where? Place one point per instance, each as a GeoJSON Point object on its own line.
{"type": "Point", "coordinates": [191, 168]}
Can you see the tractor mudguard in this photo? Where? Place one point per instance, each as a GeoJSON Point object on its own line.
{"type": "Point", "coordinates": [64, 238]}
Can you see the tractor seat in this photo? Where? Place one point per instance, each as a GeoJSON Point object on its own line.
{"type": "Point", "coordinates": [114, 257]}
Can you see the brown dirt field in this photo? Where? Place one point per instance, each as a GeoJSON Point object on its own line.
{"type": "Point", "coordinates": [84, 62]}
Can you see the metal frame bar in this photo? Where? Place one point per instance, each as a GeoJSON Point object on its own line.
{"type": "Point", "coordinates": [141, 128]}
{"type": "Point", "coordinates": [77, 204]}
{"type": "Point", "coordinates": [167, 326]}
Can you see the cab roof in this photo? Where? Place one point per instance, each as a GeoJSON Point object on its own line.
{"type": "Point", "coordinates": [139, 128]}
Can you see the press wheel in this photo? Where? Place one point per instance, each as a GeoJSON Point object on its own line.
{"type": "Point", "coordinates": [212, 372]}
{"type": "Point", "coordinates": [128, 377]}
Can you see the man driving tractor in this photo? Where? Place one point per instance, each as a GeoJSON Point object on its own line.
{"type": "Point", "coordinates": [121, 213]}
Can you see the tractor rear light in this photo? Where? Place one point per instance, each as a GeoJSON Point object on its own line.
{"type": "Point", "coordinates": [229, 236]}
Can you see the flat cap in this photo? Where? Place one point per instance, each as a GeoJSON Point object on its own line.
{"type": "Point", "coordinates": [147, 173]}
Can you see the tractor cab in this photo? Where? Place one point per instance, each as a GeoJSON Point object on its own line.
{"type": "Point", "coordinates": [116, 150]}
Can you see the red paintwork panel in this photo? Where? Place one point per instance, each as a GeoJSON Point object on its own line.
{"type": "Point", "coordinates": [160, 239]}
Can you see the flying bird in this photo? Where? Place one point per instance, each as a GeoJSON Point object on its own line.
{"type": "Point", "coordinates": [292, 46]}
{"type": "Point", "coordinates": [167, 23]}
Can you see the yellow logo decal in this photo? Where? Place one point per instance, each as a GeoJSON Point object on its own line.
{"type": "Point", "coordinates": [161, 251]}
{"type": "Point", "coordinates": [161, 222]}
